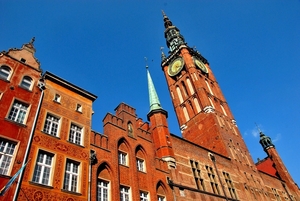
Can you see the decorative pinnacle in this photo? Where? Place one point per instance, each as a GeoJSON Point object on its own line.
{"type": "Point", "coordinates": [167, 22]}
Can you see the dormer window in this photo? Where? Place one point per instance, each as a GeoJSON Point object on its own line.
{"type": "Point", "coordinates": [57, 98]}
{"type": "Point", "coordinates": [26, 83]}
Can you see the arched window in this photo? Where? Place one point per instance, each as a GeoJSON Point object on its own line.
{"type": "Point", "coordinates": [190, 85]}
{"type": "Point", "coordinates": [179, 94]}
{"type": "Point", "coordinates": [184, 88]}
{"type": "Point", "coordinates": [104, 183]}
{"type": "Point", "coordinates": [197, 105]}
{"type": "Point", "coordinates": [161, 193]}
{"type": "Point", "coordinates": [123, 153]}
{"type": "Point", "coordinates": [26, 83]}
{"type": "Point", "coordinates": [186, 115]}
{"type": "Point", "coordinates": [5, 72]}
{"type": "Point", "coordinates": [140, 159]}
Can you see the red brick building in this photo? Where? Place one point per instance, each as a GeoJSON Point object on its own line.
{"type": "Point", "coordinates": [210, 162]}
{"type": "Point", "coordinates": [20, 98]}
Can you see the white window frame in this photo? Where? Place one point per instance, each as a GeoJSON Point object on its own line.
{"type": "Point", "coordinates": [43, 168]}
{"type": "Point", "coordinates": [6, 71]}
{"type": "Point", "coordinates": [144, 196]}
{"type": "Point", "coordinates": [51, 125]}
{"type": "Point", "coordinates": [20, 110]}
{"type": "Point", "coordinates": [140, 163]}
{"type": "Point", "coordinates": [7, 154]}
{"type": "Point", "coordinates": [26, 83]}
{"type": "Point", "coordinates": [71, 178]}
{"type": "Point", "coordinates": [76, 134]}
{"type": "Point", "coordinates": [123, 158]}
{"type": "Point", "coordinates": [103, 190]}
{"type": "Point", "coordinates": [125, 193]}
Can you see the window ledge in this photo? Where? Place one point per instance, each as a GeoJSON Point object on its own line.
{"type": "Point", "coordinates": [51, 135]}
{"type": "Point", "coordinates": [29, 90]}
{"type": "Point", "coordinates": [76, 144]}
{"type": "Point", "coordinates": [71, 192]}
{"type": "Point", "coordinates": [79, 111]}
{"type": "Point", "coordinates": [20, 124]}
{"type": "Point", "coordinates": [5, 176]}
{"type": "Point", "coordinates": [42, 185]}
{"type": "Point", "coordinates": [5, 80]}
{"type": "Point", "coordinates": [56, 102]}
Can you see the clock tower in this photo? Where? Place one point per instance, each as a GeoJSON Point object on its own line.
{"type": "Point", "coordinates": [202, 111]}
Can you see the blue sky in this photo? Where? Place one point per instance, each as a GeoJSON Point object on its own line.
{"type": "Point", "coordinates": [253, 48]}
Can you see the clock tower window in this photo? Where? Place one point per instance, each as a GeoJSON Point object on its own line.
{"type": "Point", "coordinates": [186, 115]}
{"type": "Point", "coordinates": [179, 94]}
{"type": "Point", "coordinates": [184, 89]}
{"type": "Point", "coordinates": [190, 85]}
{"type": "Point", "coordinates": [209, 87]}
{"type": "Point", "coordinates": [198, 108]}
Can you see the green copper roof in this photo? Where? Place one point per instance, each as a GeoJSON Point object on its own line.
{"type": "Point", "coordinates": [153, 98]}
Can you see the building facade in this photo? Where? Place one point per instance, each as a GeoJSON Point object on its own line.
{"type": "Point", "coordinates": [60, 149]}
{"type": "Point", "coordinates": [132, 159]}
{"type": "Point", "coordinates": [20, 98]}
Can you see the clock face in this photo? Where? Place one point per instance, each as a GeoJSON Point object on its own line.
{"type": "Point", "coordinates": [176, 66]}
{"type": "Point", "coordinates": [200, 65]}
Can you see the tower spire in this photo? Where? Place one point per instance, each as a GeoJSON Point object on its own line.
{"type": "Point", "coordinates": [172, 34]}
{"type": "Point", "coordinates": [153, 98]}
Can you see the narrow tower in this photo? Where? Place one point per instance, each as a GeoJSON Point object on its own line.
{"type": "Point", "coordinates": [159, 125]}
{"type": "Point", "coordinates": [202, 111]}
{"type": "Point", "coordinates": [281, 170]}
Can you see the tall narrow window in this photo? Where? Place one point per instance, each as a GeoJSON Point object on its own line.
{"type": "Point", "coordinates": [160, 198]}
{"type": "Point", "coordinates": [122, 158]}
{"type": "Point", "coordinates": [103, 190]}
{"type": "Point", "coordinates": [211, 102]}
{"type": "Point", "coordinates": [71, 176]}
{"type": "Point", "coordinates": [196, 102]}
{"type": "Point", "coordinates": [51, 125]}
{"type": "Point", "coordinates": [5, 72]}
{"type": "Point", "coordinates": [229, 185]}
{"type": "Point", "coordinates": [124, 193]}
{"type": "Point", "coordinates": [26, 83]}
{"type": "Point", "coordinates": [190, 86]}
{"type": "Point", "coordinates": [212, 178]}
{"type": "Point", "coordinates": [223, 110]}
{"type": "Point", "coordinates": [18, 112]}
{"type": "Point", "coordinates": [186, 115]}
{"type": "Point", "coordinates": [140, 164]}
{"type": "Point", "coordinates": [75, 134]}
{"type": "Point", "coordinates": [7, 151]}
{"type": "Point", "coordinates": [209, 88]}
{"type": "Point", "coordinates": [197, 175]}
{"type": "Point", "coordinates": [179, 94]}
{"type": "Point", "coordinates": [42, 170]}
{"type": "Point", "coordinates": [184, 88]}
